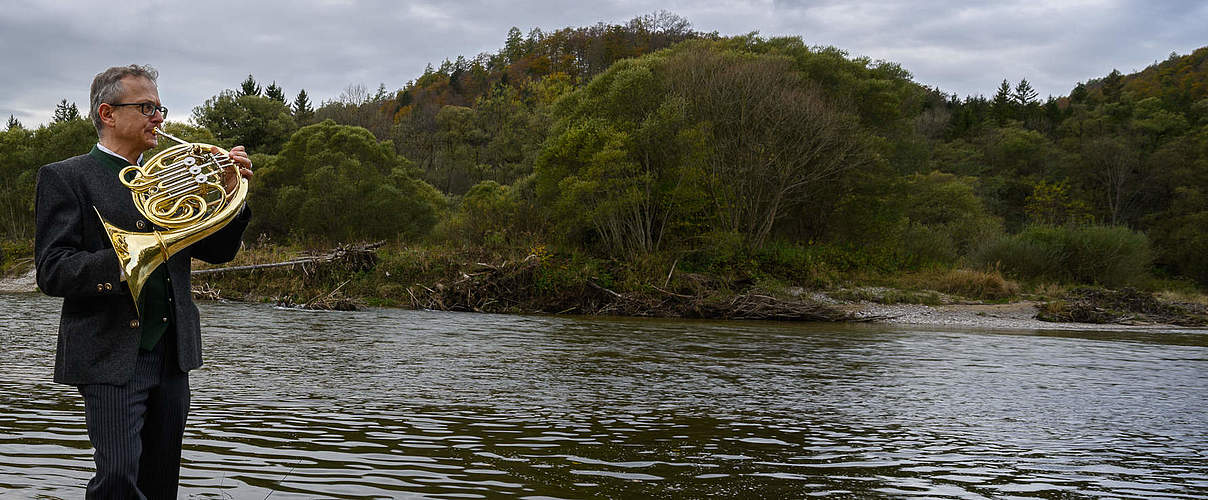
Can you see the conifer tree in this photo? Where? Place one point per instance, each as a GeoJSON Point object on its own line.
{"type": "Point", "coordinates": [65, 111]}
{"type": "Point", "coordinates": [13, 123]}
{"type": "Point", "coordinates": [513, 48]}
{"type": "Point", "coordinates": [1024, 93]}
{"type": "Point", "coordinates": [249, 87]}
{"type": "Point", "coordinates": [302, 108]}
{"type": "Point", "coordinates": [274, 92]}
{"type": "Point", "coordinates": [1000, 107]}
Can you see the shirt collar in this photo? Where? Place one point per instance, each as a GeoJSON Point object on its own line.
{"type": "Point", "coordinates": [107, 150]}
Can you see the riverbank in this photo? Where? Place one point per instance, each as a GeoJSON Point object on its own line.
{"type": "Point", "coordinates": [19, 282]}
{"type": "Point", "coordinates": [541, 283]}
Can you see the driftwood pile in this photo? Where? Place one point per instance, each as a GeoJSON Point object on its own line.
{"type": "Point", "coordinates": [524, 287]}
{"type": "Point", "coordinates": [334, 300]}
{"type": "Point", "coordinates": [511, 287]}
{"type": "Point", "coordinates": [1125, 306]}
{"type": "Point", "coordinates": [343, 259]}
{"type": "Point", "coordinates": [485, 288]}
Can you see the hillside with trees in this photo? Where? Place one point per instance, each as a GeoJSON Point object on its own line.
{"type": "Point", "coordinates": [621, 151]}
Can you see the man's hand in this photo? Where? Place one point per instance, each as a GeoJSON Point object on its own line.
{"type": "Point", "coordinates": [230, 179]}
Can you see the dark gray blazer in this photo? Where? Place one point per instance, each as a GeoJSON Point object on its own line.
{"type": "Point", "coordinates": [99, 332]}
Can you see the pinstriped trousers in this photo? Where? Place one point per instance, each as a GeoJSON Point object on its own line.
{"type": "Point", "coordinates": [136, 429]}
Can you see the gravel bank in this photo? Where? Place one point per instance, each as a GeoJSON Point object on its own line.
{"type": "Point", "coordinates": [1012, 316]}
{"type": "Point", "coordinates": [19, 284]}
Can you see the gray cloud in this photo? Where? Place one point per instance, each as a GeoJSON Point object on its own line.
{"type": "Point", "coordinates": [52, 50]}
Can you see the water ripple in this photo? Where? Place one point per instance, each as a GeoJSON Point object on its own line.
{"type": "Point", "coordinates": [387, 403]}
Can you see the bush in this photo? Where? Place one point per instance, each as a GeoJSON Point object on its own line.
{"type": "Point", "coordinates": [486, 215]}
{"type": "Point", "coordinates": [922, 220]}
{"type": "Point", "coordinates": [1104, 255]}
{"type": "Point", "coordinates": [988, 285]}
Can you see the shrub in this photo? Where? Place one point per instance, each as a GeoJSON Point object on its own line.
{"type": "Point", "coordinates": [988, 285]}
{"type": "Point", "coordinates": [485, 215]}
{"type": "Point", "coordinates": [1105, 255]}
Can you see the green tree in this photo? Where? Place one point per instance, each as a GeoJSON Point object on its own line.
{"type": "Point", "coordinates": [17, 169]}
{"type": "Point", "coordinates": [249, 87]}
{"type": "Point", "coordinates": [1051, 204]}
{"type": "Point", "coordinates": [1002, 106]}
{"type": "Point", "coordinates": [303, 113]}
{"type": "Point", "coordinates": [1177, 220]}
{"type": "Point", "coordinates": [944, 219]}
{"type": "Point", "coordinates": [274, 92]}
{"type": "Point", "coordinates": [13, 123]}
{"type": "Point", "coordinates": [21, 153]}
{"type": "Point", "coordinates": [260, 124]}
{"type": "Point", "coordinates": [513, 48]}
{"type": "Point", "coordinates": [456, 157]}
{"type": "Point", "coordinates": [1112, 86]}
{"type": "Point", "coordinates": [773, 137]}
{"type": "Point", "coordinates": [1024, 94]}
{"type": "Point", "coordinates": [1155, 123]}
{"type": "Point", "coordinates": [488, 214]}
{"type": "Point", "coordinates": [920, 219]}
{"type": "Point", "coordinates": [1112, 171]}
{"type": "Point", "coordinates": [334, 182]}
{"type": "Point", "coordinates": [66, 111]}
{"type": "Point", "coordinates": [618, 167]}
{"type": "Point", "coordinates": [61, 140]}
{"type": "Point", "coordinates": [1079, 94]}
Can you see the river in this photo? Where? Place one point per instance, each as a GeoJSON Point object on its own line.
{"type": "Point", "coordinates": [396, 403]}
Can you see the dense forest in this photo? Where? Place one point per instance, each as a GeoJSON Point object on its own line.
{"type": "Point", "coordinates": [649, 144]}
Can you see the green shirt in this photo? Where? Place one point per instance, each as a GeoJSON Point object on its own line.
{"type": "Point", "coordinates": [156, 298]}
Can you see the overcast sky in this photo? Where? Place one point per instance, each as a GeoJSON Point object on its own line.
{"type": "Point", "coordinates": [52, 49]}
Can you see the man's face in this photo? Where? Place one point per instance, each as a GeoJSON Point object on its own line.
{"type": "Point", "coordinates": [131, 128]}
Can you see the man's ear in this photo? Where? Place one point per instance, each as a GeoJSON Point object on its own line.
{"type": "Point", "coordinates": [105, 111]}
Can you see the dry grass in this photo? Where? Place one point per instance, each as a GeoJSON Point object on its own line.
{"type": "Point", "coordinates": [256, 254]}
{"type": "Point", "coordinates": [1183, 297]}
{"type": "Point", "coordinates": [1049, 290]}
{"type": "Point", "coordinates": [971, 284]}
{"type": "Point", "coordinates": [987, 285]}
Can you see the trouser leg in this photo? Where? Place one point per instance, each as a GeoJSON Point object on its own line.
{"type": "Point", "coordinates": [167, 410]}
{"type": "Point", "coordinates": [114, 416]}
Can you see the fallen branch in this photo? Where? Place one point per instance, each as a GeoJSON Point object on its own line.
{"type": "Point", "coordinates": [355, 258]}
{"type": "Point", "coordinates": [257, 266]}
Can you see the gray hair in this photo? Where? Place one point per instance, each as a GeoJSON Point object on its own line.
{"type": "Point", "coordinates": [107, 87]}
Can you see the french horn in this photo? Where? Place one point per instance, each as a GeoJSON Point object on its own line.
{"type": "Point", "coordinates": [181, 191]}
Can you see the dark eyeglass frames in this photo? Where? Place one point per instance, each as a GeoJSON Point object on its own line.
{"type": "Point", "coordinates": [146, 108]}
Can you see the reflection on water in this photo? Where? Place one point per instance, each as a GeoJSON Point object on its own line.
{"type": "Point", "coordinates": [390, 403]}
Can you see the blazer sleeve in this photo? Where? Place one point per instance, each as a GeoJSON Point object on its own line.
{"type": "Point", "coordinates": [222, 246]}
{"type": "Point", "coordinates": [64, 266]}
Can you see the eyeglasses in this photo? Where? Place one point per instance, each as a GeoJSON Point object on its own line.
{"type": "Point", "coordinates": [146, 108]}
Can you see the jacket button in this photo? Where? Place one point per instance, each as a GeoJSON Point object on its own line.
{"type": "Point", "coordinates": [165, 319]}
{"type": "Point", "coordinates": [100, 287]}
{"type": "Point", "coordinates": [134, 323]}
{"type": "Point", "coordinates": [108, 286]}
{"type": "Point", "coordinates": [140, 224]}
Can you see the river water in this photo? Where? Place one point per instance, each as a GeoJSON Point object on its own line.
{"type": "Point", "coordinates": [395, 403]}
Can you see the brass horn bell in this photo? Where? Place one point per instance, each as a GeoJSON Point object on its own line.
{"type": "Point", "coordinates": [180, 189]}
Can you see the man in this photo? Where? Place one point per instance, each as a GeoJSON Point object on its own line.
{"type": "Point", "coordinates": [131, 371]}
